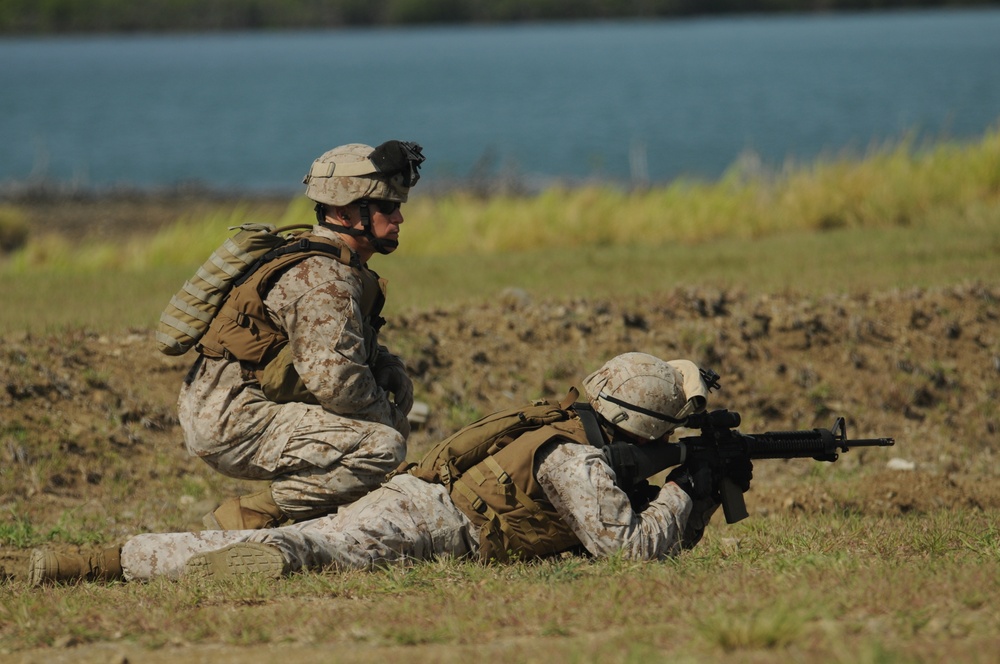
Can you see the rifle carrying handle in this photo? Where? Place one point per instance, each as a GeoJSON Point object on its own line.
{"type": "Point", "coordinates": [733, 504]}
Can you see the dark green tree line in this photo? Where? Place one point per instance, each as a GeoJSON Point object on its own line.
{"type": "Point", "coordinates": [70, 16]}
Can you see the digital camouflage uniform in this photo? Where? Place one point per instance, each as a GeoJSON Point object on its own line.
{"type": "Point", "coordinates": [318, 456]}
{"type": "Point", "coordinates": [531, 491]}
{"type": "Point", "coordinates": [408, 518]}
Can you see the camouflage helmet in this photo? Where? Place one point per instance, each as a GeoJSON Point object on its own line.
{"type": "Point", "coordinates": [355, 171]}
{"type": "Point", "coordinates": [645, 395]}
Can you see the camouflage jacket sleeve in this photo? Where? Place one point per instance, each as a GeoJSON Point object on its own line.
{"type": "Point", "coordinates": [580, 485]}
{"type": "Point", "coordinates": [317, 302]}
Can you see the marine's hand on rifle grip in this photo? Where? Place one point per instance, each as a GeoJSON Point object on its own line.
{"type": "Point", "coordinates": [696, 479]}
{"type": "Point", "coordinates": [740, 472]}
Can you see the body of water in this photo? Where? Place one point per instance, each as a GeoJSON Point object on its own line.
{"type": "Point", "coordinates": [626, 101]}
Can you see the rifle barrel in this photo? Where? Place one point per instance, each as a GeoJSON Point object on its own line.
{"type": "Point", "coordinates": [821, 444]}
{"type": "Point", "coordinates": [870, 442]}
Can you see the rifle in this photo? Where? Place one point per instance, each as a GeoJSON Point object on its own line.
{"type": "Point", "coordinates": [720, 442]}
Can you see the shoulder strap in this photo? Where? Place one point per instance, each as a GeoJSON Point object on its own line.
{"type": "Point", "coordinates": [621, 456]}
{"type": "Point", "coordinates": [590, 425]}
{"type": "Point", "coordinates": [339, 252]}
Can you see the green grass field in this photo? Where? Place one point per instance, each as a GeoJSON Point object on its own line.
{"type": "Point", "coordinates": [809, 263]}
{"type": "Point", "coordinates": [844, 584]}
{"type": "Point", "coordinates": [837, 588]}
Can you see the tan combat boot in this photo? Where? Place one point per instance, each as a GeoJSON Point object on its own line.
{"type": "Point", "coordinates": [239, 559]}
{"type": "Point", "coordinates": [49, 566]}
{"type": "Point", "coordinates": [252, 512]}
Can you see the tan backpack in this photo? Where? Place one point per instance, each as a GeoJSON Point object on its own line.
{"type": "Point", "coordinates": [451, 457]}
{"type": "Point", "coordinates": [190, 311]}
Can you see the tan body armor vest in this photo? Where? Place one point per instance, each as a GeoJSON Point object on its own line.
{"type": "Point", "coordinates": [502, 497]}
{"type": "Point", "coordinates": [243, 331]}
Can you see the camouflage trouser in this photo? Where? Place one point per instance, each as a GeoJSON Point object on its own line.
{"type": "Point", "coordinates": [315, 460]}
{"type": "Point", "coordinates": [406, 518]}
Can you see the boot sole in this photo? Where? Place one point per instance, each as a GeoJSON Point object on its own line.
{"type": "Point", "coordinates": [238, 560]}
{"type": "Point", "coordinates": [42, 567]}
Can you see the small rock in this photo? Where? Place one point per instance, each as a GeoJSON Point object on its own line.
{"type": "Point", "coordinates": [901, 464]}
{"type": "Point", "coordinates": [419, 413]}
{"type": "Point", "coordinates": [65, 641]}
{"type": "Point", "coordinates": [515, 298]}
{"type": "Point", "coordinates": [729, 545]}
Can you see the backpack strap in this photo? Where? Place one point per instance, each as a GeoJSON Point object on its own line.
{"type": "Point", "coordinates": [621, 456]}
{"type": "Point", "coordinates": [590, 425]}
{"type": "Point", "coordinates": [241, 329]}
{"type": "Point", "coordinates": [571, 396]}
{"type": "Point", "coordinates": [373, 286]}
{"type": "Point", "coordinates": [340, 252]}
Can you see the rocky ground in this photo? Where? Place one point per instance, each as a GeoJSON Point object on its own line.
{"type": "Point", "coordinates": [88, 429]}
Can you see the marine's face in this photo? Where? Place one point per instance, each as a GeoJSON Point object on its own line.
{"type": "Point", "coordinates": [386, 218]}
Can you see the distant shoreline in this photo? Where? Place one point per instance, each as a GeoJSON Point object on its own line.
{"type": "Point", "coordinates": [32, 191]}
{"type": "Point", "coordinates": [176, 16]}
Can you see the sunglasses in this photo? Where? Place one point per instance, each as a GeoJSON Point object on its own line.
{"type": "Point", "coordinates": [385, 207]}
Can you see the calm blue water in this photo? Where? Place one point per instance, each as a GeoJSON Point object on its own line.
{"type": "Point", "coordinates": [572, 101]}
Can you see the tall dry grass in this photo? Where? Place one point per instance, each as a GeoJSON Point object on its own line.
{"type": "Point", "coordinates": [900, 185]}
{"type": "Point", "coordinates": [903, 215]}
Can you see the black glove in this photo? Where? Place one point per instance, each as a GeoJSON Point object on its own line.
{"type": "Point", "coordinates": [740, 471]}
{"type": "Point", "coordinates": [696, 479]}
{"type": "Point", "coordinates": [390, 375]}
{"type": "Point", "coordinates": [702, 481]}
{"type": "Point", "coordinates": [641, 494]}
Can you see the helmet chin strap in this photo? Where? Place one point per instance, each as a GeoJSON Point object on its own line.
{"type": "Point", "coordinates": [380, 245]}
